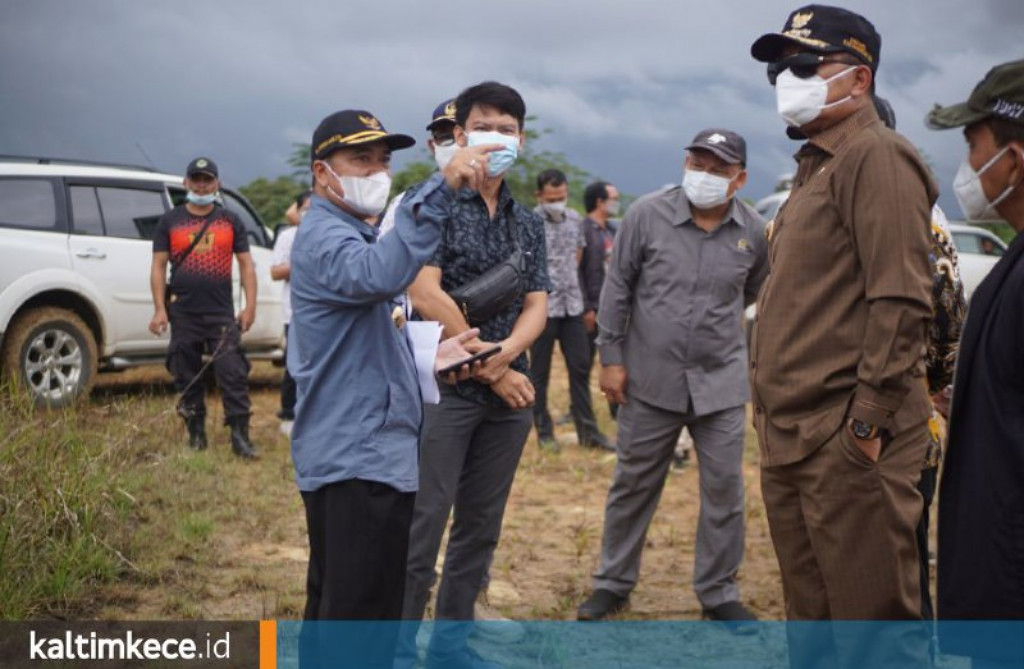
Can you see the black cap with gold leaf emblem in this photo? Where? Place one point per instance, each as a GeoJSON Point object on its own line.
{"type": "Point", "coordinates": [823, 29]}
{"type": "Point", "coordinates": [443, 113]}
{"type": "Point", "coordinates": [352, 127]}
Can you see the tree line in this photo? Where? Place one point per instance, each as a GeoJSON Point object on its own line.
{"type": "Point", "coordinates": [271, 197]}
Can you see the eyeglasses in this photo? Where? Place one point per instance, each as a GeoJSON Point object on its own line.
{"type": "Point", "coordinates": [803, 65]}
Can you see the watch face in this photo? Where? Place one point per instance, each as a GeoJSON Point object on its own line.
{"type": "Point", "coordinates": [861, 430]}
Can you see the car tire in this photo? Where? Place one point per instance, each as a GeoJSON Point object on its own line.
{"type": "Point", "coordinates": [52, 354]}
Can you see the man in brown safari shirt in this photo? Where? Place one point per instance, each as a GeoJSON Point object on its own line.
{"type": "Point", "coordinates": [840, 405]}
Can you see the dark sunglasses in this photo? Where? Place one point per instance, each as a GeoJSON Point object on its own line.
{"type": "Point", "coordinates": [803, 65]}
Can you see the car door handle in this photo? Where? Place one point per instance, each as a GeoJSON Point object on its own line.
{"type": "Point", "coordinates": [91, 253]}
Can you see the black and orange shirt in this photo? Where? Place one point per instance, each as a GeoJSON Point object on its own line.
{"type": "Point", "coordinates": [202, 283]}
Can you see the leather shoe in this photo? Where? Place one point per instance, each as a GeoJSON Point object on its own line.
{"type": "Point", "coordinates": [601, 604]}
{"type": "Point", "coordinates": [598, 442]}
{"type": "Point", "coordinates": [737, 618]}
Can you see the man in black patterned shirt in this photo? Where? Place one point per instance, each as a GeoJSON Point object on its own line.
{"type": "Point", "coordinates": [471, 442]}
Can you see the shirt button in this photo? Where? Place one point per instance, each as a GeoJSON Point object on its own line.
{"type": "Point", "coordinates": [753, 364]}
{"type": "Point", "coordinates": [759, 410]}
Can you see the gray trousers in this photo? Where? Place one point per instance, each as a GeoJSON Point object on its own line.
{"type": "Point", "coordinates": [468, 458]}
{"type": "Point", "coordinates": [647, 439]}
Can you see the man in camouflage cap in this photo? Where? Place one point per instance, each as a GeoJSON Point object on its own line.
{"type": "Point", "coordinates": [981, 508]}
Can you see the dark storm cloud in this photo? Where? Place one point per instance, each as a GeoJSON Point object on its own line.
{"type": "Point", "coordinates": [622, 85]}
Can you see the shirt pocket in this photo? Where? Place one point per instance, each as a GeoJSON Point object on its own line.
{"type": "Point", "coordinates": [404, 412]}
{"type": "Point", "coordinates": [813, 237]}
{"type": "Point", "coordinates": [731, 267]}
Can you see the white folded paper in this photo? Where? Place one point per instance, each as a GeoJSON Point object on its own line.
{"type": "Point", "coordinates": [424, 337]}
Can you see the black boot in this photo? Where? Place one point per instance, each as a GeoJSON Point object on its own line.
{"type": "Point", "coordinates": [196, 431]}
{"type": "Point", "coordinates": [240, 444]}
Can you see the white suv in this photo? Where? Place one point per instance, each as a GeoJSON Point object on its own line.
{"type": "Point", "coordinates": [979, 250]}
{"type": "Point", "coordinates": [75, 252]}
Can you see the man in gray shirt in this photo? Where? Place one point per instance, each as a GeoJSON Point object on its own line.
{"type": "Point", "coordinates": [563, 233]}
{"type": "Point", "coordinates": [686, 261]}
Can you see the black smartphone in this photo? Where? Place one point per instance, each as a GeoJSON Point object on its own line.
{"type": "Point", "coordinates": [482, 355]}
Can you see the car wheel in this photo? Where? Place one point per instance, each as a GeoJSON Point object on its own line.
{"type": "Point", "coordinates": [52, 354]}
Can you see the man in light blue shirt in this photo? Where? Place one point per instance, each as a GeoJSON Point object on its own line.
{"type": "Point", "coordinates": [357, 423]}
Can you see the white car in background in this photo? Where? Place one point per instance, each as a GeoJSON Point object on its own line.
{"type": "Point", "coordinates": [978, 251]}
{"type": "Point", "coordinates": [75, 253]}
{"type": "Point", "coordinates": [769, 205]}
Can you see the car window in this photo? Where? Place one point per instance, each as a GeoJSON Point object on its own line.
{"type": "Point", "coordinates": [966, 242]}
{"type": "Point", "coordinates": [178, 195]}
{"type": "Point", "coordinates": [990, 247]}
{"type": "Point", "coordinates": [28, 203]}
{"type": "Point", "coordinates": [85, 211]}
{"type": "Point", "coordinates": [252, 225]}
{"type": "Point", "coordinates": [130, 213]}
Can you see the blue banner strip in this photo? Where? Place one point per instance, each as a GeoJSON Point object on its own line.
{"type": "Point", "coordinates": [762, 645]}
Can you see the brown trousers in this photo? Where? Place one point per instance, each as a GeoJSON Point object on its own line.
{"type": "Point", "coordinates": [844, 529]}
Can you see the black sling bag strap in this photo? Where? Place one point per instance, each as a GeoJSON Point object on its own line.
{"type": "Point", "coordinates": [175, 264]}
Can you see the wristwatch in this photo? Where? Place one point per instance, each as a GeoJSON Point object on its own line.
{"type": "Point", "coordinates": [863, 431]}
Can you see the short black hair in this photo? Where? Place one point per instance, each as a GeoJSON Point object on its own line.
{"type": "Point", "coordinates": [302, 198]}
{"type": "Point", "coordinates": [551, 177]}
{"type": "Point", "coordinates": [490, 94]}
{"type": "Point", "coordinates": [1005, 131]}
{"type": "Point", "coordinates": [594, 192]}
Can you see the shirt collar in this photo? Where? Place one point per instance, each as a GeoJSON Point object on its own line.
{"type": "Point", "coordinates": [318, 203]}
{"type": "Point", "coordinates": [570, 216]}
{"type": "Point", "coordinates": [504, 195]}
{"type": "Point", "coordinates": [684, 215]}
{"type": "Point", "coordinates": [832, 139]}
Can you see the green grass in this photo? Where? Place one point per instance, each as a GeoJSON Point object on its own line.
{"type": "Point", "coordinates": [106, 513]}
{"type": "Point", "coordinates": [195, 527]}
{"type": "Point", "coordinates": [62, 518]}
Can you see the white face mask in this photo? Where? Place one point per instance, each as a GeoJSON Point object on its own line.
{"type": "Point", "coordinates": [554, 210]}
{"type": "Point", "coordinates": [705, 190]}
{"type": "Point", "coordinates": [364, 195]}
{"type": "Point", "coordinates": [443, 154]}
{"type": "Point", "coordinates": [800, 101]}
{"type": "Point", "coordinates": [611, 207]}
{"type": "Point", "coordinates": [970, 194]}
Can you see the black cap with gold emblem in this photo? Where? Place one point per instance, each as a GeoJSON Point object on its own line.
{"type": "Point", "coordinates": [352, 127]}
{"type": "Point", "coordinates": [443, 113]}
{"type": "Point", "coordinates": [201, 166]}
{"type": "Point", "coordinates": [823, 29]}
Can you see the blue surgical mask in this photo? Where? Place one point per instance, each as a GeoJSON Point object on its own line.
{"type": "Point", "coordinates": [201, 200]}
{"type": "Point", "coordinates": [500, 161]}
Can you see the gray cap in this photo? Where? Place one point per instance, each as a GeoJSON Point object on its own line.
{"type": "Point", "coordinates": [725, 144]}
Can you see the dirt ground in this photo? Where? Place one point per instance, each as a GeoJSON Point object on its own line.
{"type": "Point", "coordinates": [223, 539]}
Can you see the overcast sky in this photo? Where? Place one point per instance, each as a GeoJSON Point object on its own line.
{"type": "Point", "coordinates": [623, 85]}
